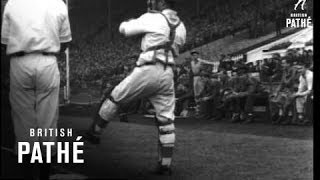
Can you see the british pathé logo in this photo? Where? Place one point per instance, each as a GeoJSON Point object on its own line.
{"type": "Point", "coordinates": [299, 18]}
{"type": "Point", "coordinates": [301, 2]}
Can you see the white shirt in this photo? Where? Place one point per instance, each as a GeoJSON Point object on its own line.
{"type": "Point", "coordinates": [35, 25]}
{"type": "Point", "coordinates": [305, 83]}
{"type": "Point", "coordinates": [156, 30]}
{"type": "Point", "coordinates": [196, 67]}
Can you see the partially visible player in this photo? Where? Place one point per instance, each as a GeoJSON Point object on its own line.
{"type": "Point", "coordinates": [34, 32]}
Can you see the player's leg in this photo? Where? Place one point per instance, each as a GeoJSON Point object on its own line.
{"type": "Point", "coordinates": [47, 104]}
{"type": "Point", "coordinates": [235, 108]}
{"type": "Point", "coordinates": [300, 103]}
{"type": "Point", "coordinates": [164, 103]}
{"type": "Point", "coordinates": [137, 85]}
{"type": "Point", "coordinates": [47, 94]}
{"type": "Point", "coordinates": [248, 108]}
{"type": "Point", "coordinates": [197, 91]}
{"type": "Point", "coordinates": [22, 100]}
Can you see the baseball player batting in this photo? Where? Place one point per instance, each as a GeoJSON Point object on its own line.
{"type": "Point", "coordinates": [152, 78]}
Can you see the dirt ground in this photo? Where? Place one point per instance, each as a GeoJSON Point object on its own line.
{"type": "Point", "coordinates": [204, 150]}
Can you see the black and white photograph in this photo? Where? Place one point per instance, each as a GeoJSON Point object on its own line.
{"type": "Point", "coordinates": [157, 89]}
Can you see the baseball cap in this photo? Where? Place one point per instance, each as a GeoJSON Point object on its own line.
{"type": "Point", "coordinates": [194, 52]}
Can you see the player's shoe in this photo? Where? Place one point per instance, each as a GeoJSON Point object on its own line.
{"type": "Point", "coordinates": [163, 170]}
{"type": "Point", "coordinates": [93, 135]}
{"type": "Point", "coordinates": [123, 118]}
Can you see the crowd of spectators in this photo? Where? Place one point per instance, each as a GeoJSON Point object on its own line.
{"type": "Point", "coordinates": [233, 91]}
{"type": "Point", "coordinates": [94, 56]}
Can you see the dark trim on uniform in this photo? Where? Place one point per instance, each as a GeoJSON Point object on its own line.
{"type": "Point", "coordinates": [22, 53]}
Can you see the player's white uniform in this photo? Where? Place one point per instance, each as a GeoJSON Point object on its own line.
{"type": "Point", "coordinates": [33, 31]}
{"type": "Point", "coordinates": [305, 87]}
{"type": "Point", "coordinates": [198, 82]}
{"type": "Point", "coordinates": [151, 78]}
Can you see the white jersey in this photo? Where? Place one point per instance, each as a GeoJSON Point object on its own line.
{"type": "Point", "coordinates": [156, 30]}
{"type": "Point", "coordinates": [305, 83]}
{"type": "Point", "coordinates": [35, 25]}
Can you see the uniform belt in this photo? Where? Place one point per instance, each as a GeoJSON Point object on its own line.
{"type": "Point", "coordinates": [22, 53]}
{"type": "Point", "coordinates": [156, 62]}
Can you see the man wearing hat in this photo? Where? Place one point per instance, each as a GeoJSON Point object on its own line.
{"type": "Point", "coordinates": [271, 68]}
{"type": "Point", "coordinates": [227, 91]}
{"type": "Point", "coordinates": [199, 72]}
{"type": "Point", "coordinates": [198, 84]}
{"type": "Point", "coordinates": [305, 89]}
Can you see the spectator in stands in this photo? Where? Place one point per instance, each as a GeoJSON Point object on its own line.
{"type": "Point", "coordinates": [309, 59]}
{"type": "Point", "coordinates": [212, 98]}
{"type": "Point", "coordinates": [223, 79]}
{"type": "Point", "coordinates": [227, 92]}
{"type": "Point", "coordinates": [283, 96]}
{"type": "Point", "coordinates": [178, 71]}
{"type": "Point", "coordinates": [304, 90]}
{"type": "Point", "coordinates": [242, 98]}
{"type": "Point", "coordinates": [184, 95]}
{"type": "Point", "coordinates": [251, 67]}
{"type": "Point", "coordinates": [205, 96]}
{"type": "Point", "coordinates": [219, 110]}
{"type": "Point", "coordinates": [271, 68]}
{"type": "Point", "coordinates": [258, 66]}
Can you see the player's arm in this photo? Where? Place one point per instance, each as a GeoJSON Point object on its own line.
{"type": "Point", "coordinates": [64, 29]}
{"type": "Point", "coordinates": [5, 28]}
{"type": "Point", "coordinates": [205, 73]}
{"type": "Point", "coordinates": [205, 61]}
{"type": "Point", "coordinates": [181, 35]}
{"type": "Point", "coordinates": [137, 26]}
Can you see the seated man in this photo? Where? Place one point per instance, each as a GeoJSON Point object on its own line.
{"type": "Point", "coordinates": [241, 96]}
{"type": "Point", "coordinates": [223, 79]}
{"type": "Point", "coordinates": [304, 89]}
{"type": "Point", "coordinates": [184, 94]}
{"type": "Point", "coordinates": [210, 99]}
{"type": "Point", "coordinates": [227, 86]}
{"type": "Point", "coordinates": [271, 69]}
{"type": "Point", "coordinates": [282, 99]}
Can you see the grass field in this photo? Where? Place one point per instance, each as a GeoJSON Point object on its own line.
{"type": "Point", "coordinates": [204, 150]}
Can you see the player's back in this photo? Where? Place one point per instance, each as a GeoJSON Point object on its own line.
{"type": "Point", "coordinates": [35, 25]}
